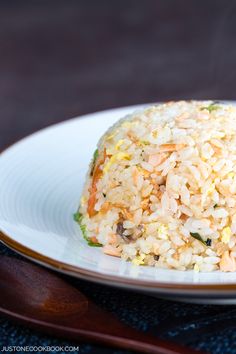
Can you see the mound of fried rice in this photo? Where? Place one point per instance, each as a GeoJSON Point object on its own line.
{"type": "Point", "coordinates": [161, 188]}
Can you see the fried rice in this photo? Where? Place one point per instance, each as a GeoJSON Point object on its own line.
{"type": "Point", "coordinates": [161, 188]}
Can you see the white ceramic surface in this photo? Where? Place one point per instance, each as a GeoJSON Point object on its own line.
{"type": "Point", "coordinates": [41, 178]}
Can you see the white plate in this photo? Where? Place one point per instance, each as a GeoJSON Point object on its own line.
{"type": "Point", "coordinates": [41, 178]}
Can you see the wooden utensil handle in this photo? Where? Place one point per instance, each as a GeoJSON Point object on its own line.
{"type": "Point", "coordinates": [107, 329]}
{"type": "Point", "coordinates": [119, 335]}
{"type": "Point", "coordinates": [145, 344]}
{"type": "Point", "coordinates": [53, 306]}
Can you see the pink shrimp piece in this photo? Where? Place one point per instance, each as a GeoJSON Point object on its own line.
{"type": "Point", "coordinates": [227, 263]}
{"type": "Point", "coordinates": [171, 147]}
{"type": "Point", "coordinates": [156, 159]}
{"type": "Point", "coordinates": [111, 250]}
{"type": "Point", "coordinates": [135, 175]}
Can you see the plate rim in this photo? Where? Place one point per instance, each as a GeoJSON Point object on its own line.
{"type": "Point", "coordinates": [177, 289]}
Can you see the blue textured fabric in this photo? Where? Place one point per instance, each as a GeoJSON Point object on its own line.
{"type": "Point", "coordinates": [212, 328]}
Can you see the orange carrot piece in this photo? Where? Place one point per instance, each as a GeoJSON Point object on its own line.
{"type": "Point", "coordinates": [93, 239]}
{"type": "Point", "coordinates": [145, 204]}
{"type": "Point", "coordinates": [105, 207]}
{"type": "Point", "coordinates": [97, 174]}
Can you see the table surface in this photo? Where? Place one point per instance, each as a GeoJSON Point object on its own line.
{"type": "Point", "coordinates": [60, 59]}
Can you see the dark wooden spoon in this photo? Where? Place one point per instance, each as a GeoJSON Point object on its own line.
{"type": "Point", "coordinates": [38, 298]}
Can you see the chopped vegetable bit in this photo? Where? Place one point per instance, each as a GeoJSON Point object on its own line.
{"type": "Point", "coordinates": [199, 238]}
{"type": "Point", "coordinates": [212, 107]}
{"type": "Point", "coordinates": [144, 142]}
{"type": "Point", "coordinates": [156, 257]}
{"type": "Point", "coordinates": [226, 233]}
{"type": "Point", "coordinates": [215, 206]}
{"type": "Point", "coordinates": [78, 217]}
{"type": "Point", "coordinates": [120, 228]}
{"type": "Point", "coordinates": [95, 156]}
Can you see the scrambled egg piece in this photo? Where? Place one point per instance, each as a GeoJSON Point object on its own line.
{"type": "Point", "coordinates": [109, 137]}
{"type": "Point", "coordinates": [231, 175]}
{"type": "Point", "coordinates": [211, 189]}
{"type": "Point", "coordinates": [219, 135]}
{"type": "Point", "coordinates": [119, 143]}
{"type": "Point", "coordinates": [129, 124]}
{"type": "Point", "coordinates": [126, 124]}
{"type": "Point", "coordinates": [143, 172]}
{"type": "Point", "coordinates": [196, 268]}
{"type": "Point", "coordinates": [225, 235]}
{"type": "Point", "coordinates": [155, 133]}
{"type": "Point", "coordinates": [83, 201]}
{"type": "Point", "coordinates": [162, 231]}
{"type": "Point", "coordinates": [114, 158]}
{"type": "Point", "coordinates": [139, 259]}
